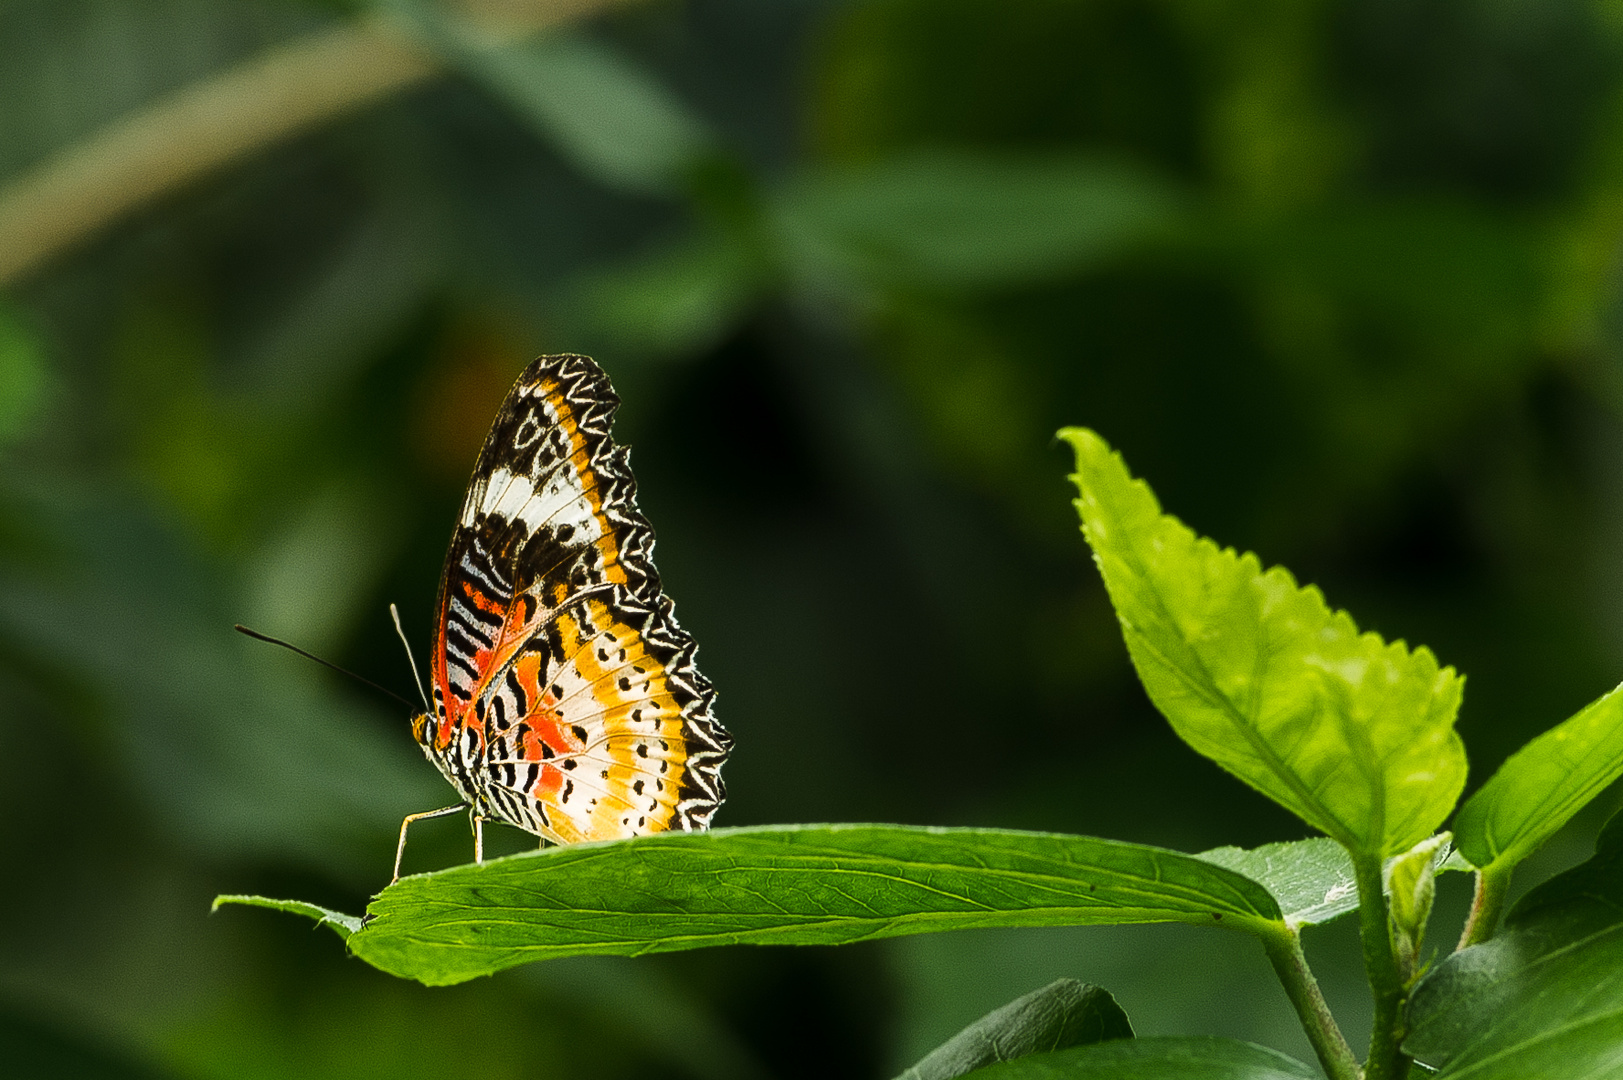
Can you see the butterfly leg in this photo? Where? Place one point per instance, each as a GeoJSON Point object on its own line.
{"type": "Point", "coordinates": [400, 852]}
{"type": "Point", "coordinates": [478, 838]}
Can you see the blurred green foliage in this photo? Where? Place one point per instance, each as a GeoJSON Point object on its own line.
{"type": "Point", "coordinates": [1338, 275]}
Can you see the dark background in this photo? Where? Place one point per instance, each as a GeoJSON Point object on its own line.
{"type": "Point", "coordinates": [1337, 277]}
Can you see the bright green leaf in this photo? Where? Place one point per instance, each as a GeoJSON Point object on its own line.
{"type": "Point", "coordinates": [1411, 885]}
{"type": "Point", "coordinates": [1313, 879]}
{"type": "Point", "coordinates": [1353, 735]}
{"type": "Point", "coordinates": [1062, 1014]}
{"type": "Point", "coordinates": [965, 220]}
{"type": "Point", "coordinates": [1542, 785]}
{"type": "Point", "coordinates": [1155, 1059]}
{"type": "Point", "coordinates": [1545, 997]}
{"type": "Point", "coordinates": [784, 885]}
{"type": "Point", "coordinates": [342, 925]}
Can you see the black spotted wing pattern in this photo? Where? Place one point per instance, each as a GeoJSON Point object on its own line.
{"type": "Point", "coordinates": [566, 700]}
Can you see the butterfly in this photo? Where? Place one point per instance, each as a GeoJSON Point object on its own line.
{"type": "Point", "coordinates": [565, 698]}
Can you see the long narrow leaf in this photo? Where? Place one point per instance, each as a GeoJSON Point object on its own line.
{"type": "Point", "coordinates": [962, 220]}
{"type": "Point", "coordinates": [596, 106]}
{"type": "Point", "coordinates": [789, 885]}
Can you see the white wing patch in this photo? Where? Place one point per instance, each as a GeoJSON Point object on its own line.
{"type": "Point", "coordinates": [559, 501]}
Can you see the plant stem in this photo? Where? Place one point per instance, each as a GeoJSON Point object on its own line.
{"type": "Point", "coordinates": [1485, 907]}
{"type": "Point", "coordinates": [1290, 964]}
{"type": "Point", "coordinates": [217, 121]}
{"type": "Point", "coordinates": [1386, 1061]}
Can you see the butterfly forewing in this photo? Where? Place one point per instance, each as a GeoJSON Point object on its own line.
{"type": "Point", "coordinates": [566, 699]}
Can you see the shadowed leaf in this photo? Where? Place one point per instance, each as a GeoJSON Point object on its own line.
{"type": "Point", "coordinates": [1545, 997]}
{"type": "Point", "coordinates": [1062, 1014]}
{"type": "Point", "coordinates": [23, 374]}
{"type": "Point", "coordinates": [600, 109]}
{"type": "Point", "coordinates": [969, 221]}
{"type": "Point", "coordinates": [1154, 1059]}
{"type": "Point", "coordinates": [238, 750]}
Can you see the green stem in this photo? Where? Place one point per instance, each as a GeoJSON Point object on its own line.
{"type": "Point", "coordinates": [1290, 964]}
{"type": "Point", "coordinates": [1387, 1061]}
{"type": "Point", "coordinates": [1485, 907]}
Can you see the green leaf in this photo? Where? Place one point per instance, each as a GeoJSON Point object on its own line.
{"type": "Point", "coordinates": [675, 299]}
{"type": "Point", "coordinates": [1411, 885]}
{"type": "Point", "coordinates": [598, 108]}
{"type": "Point", "coordinates": [970, 221]}
{"type": "Point", "coordinates": [303, 773]}
{"type": "Point", "coordinates": [1542, 785]}
{"type": "Point", "coordinates": [23, 374]}
{"type": "Point", "coordinates": [1155, 1059]}
{"type": "Point", "coordinates": [1353, 735]}
{"type": "Point", "coordinates": [342, 925]}
{"type": "Point", "coordinates": [1545, 997]}
{"type": "Point", "coordinates": [1313, 879]}
{"type": "Point", "coordinates": [1455, 862]}
{"type": "Point", "coordinates": [615, 121]}
{"type": "Point", "coordinates": [1062, 1014]}
{"type": "Point", "coordinates": [784, 885]}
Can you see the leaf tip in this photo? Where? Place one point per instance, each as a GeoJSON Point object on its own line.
{"type": "Point", "coordinates": [1076, 435]}
{"type": "Point", "coordinates": [341, 924]}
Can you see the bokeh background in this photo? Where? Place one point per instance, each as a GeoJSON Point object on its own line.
{"type": "Point", "coordinates": [1338, 276]}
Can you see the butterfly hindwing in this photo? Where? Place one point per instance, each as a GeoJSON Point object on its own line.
{"type": "Point", "coordinates": [566, 700]}
{"type": "Point", "coordinates": [592, 703]}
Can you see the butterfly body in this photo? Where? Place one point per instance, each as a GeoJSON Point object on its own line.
{"type": "Point", "coordinates": [565, 698]}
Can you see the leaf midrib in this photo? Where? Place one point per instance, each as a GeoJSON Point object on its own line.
{"type": "Point", "coordinates": [1199, 901]}
{"type": "Point", "coordinates": [821, 922]}
{"type": "Point", "coordinates": [1223, 705]}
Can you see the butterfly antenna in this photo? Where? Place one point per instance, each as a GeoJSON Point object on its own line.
{"type": "Point", "coordinates": [256, 635]}
{"type": "Point", "coordinates": [394, 611]}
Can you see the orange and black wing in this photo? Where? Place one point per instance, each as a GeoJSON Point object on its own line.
{"type": "Point", "coordinates": [565, 695]}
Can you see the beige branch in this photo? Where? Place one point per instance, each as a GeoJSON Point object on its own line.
{"type": "Point", "coordinates": [202, 128]}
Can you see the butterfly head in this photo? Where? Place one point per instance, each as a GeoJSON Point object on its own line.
{"type": "Point", "coordinates": [419, 728]}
